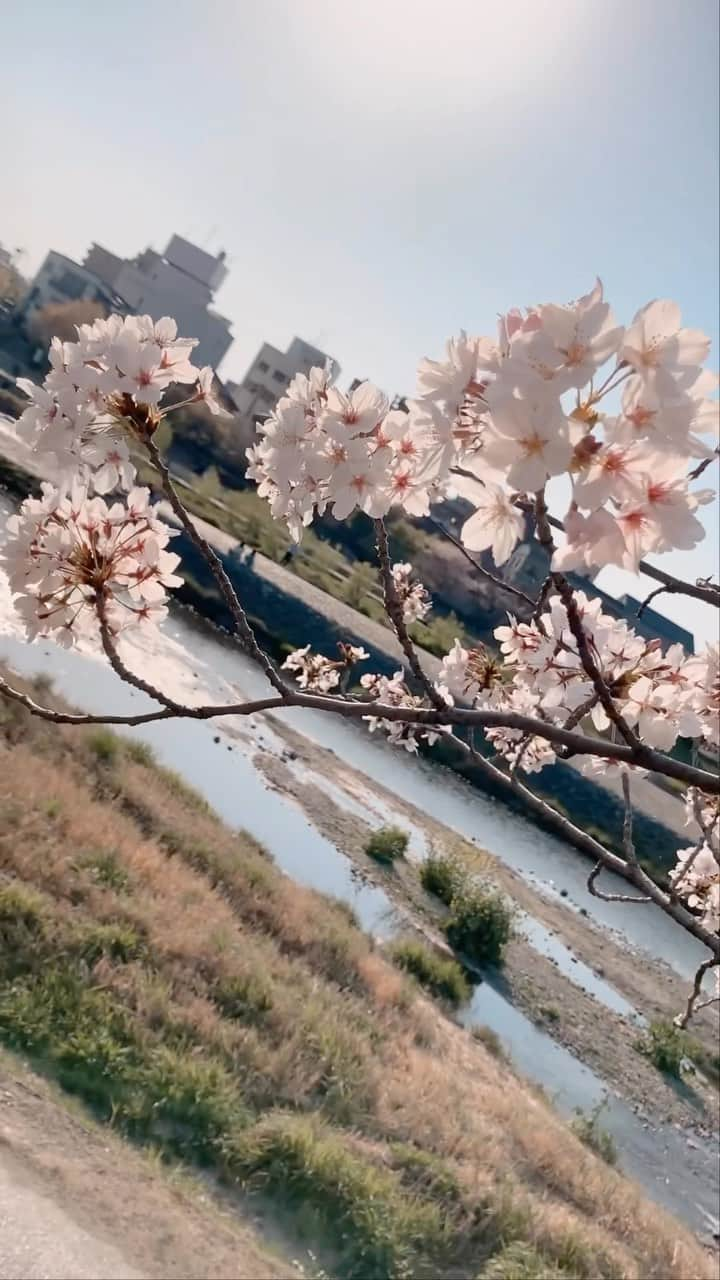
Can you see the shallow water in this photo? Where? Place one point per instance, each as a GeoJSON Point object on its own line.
{"type": "Point", "coordinates": [546, 862]}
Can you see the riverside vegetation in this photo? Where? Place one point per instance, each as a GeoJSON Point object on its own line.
{"type": "Point", "coordinates": [159, 967]}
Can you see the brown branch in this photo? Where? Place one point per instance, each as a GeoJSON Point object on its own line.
{"type": "Point", "coordinates": [239, 617]}
{"type": "Point", "coordinates": [692, 1004]}
{"type": "Point", "coordinates": [142, 717]}
{"type": "Point", "coordinates": [632, 872]}
{"type": "Point", "coordinates": [589, 664]}
{"type": "Point", "coordinates": [355, 709]}
{"type": "Point", "coordinates": [567, 595]}
{"type": "Point", "coordinates": [709, 593]}
{"type": "Point", "coordinates": [702, 466]}
{"type": "Point", "coordinates": [491, 577]}
{"type": "Point", "coordinates": [611, 897]}
{"type": "Point", "coordinates": [395, 612]}
{"type": "Point", "coordinates": [121, 669]}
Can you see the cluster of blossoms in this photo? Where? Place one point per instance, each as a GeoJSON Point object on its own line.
{"type": "Point", "coordinates": [105, 390]}
{"type": "Point", "coordinates": [393, 691]}
{"type": "Point", "coordinates": [69, 550]}
{"type": "Point", "coordinates": [415, 601]}
{"type": "Point", "coordinates": [696, 878]}
{"type": "Point", "coordinates": [499, 417]}
{"type": "Point", "coordinates": [70, 556]}
{"type": "Point", "coordinates": [318, 674]}
{"type": "Point", "coordinates": [661, 696]}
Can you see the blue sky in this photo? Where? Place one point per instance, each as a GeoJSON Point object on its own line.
{"type": "Point", "coordinates": [382, 174]}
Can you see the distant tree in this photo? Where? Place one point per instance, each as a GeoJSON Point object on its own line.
{"type": "Point", "coordinates": [12, 285]}
{"type": "Point", "coordinates": [60, 319]}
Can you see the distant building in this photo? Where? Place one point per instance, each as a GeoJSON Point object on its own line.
{"type": "Point", "coordinates": [61, 280]}
{"type": "Point", "coordinates": [270, 374]}
{"type": "Point", "coordinates": [180, 282]}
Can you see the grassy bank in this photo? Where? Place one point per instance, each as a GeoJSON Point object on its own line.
{"type": "Point", "coordinates": [159, 967]}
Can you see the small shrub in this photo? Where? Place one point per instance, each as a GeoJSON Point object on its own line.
{"type": "Point", "coordinates": [116, 941]}
{"type": "Point", "coordinates": [243, 997]}
{"type": "Point", "coordinates": [21, 926]}
{"type": "Point", "coordinates": [104, 744]}
{"type": "Point", "coordinates": [441, 875]}
{"type": "Point", "coordinates": [586, 1126]}
{"type": "Point", "coordinates": [549, 1012]}
{"type": "Point", "coordinates": [182, 791]}
{"type": "Point", "coordinates": [491, 1040]}
{"type": "Point", "coordinates": [520, 1262]}
{"type": "Point", "coordinates": [139, 752]}
{"type": "Point", "coordinates": [106, 869]}
{"type": "Point", "coordinates": [665, 1045]}
{"type": "Point", "coordinates": [479, 924]}
{"type": "Point", "coordinates": [386, 844]}
{"type": "Point", "coordinates": [439, 974]}
{"type": "Point", "coordinates": [425, 1173]}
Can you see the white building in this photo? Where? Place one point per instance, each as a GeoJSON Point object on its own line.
{"type": "Point", "coordinates": [180, 282]}
{"type": "Point", "coordinates": [270, 374]}
{"type": "Point", "coordinates": [61, 280]}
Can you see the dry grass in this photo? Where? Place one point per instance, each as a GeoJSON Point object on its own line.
{"type": "Point", "coordinates": [303, 1058]}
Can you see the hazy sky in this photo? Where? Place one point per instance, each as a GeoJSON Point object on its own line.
{"type": "Point", "coordinates": [380, 174]}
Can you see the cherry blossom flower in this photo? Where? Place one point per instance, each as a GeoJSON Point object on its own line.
{"type": "Point", "coordinates": [496, 524]}
{"type": "Point", "coordinates": [528, 436]}
{"type": "Point", "coordinates": [656, 341]}
{"type": "Point", "coordinates": [207, 394]}
{"type": "Point", "coordinates": [65, 553]}
{"type": "Point", "coordinates": [416, 602]}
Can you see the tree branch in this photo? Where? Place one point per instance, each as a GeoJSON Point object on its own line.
{"type": "Point", "coordinates": [395, 612]}
{"type": "Point", "coordinates": [120, 668]}
{"type": "Point", "coordinates": [491, 577]}
{"type": "Point", "coordinates": [692, 1004]}
{"type": "Point", "coordinates": [575, 743]}
{"type": "Point", "coordinates": [633, 873]}
{"type": "Point", "coordinates": [239, 617]}
{"type": "Point", "coordinates": [611, 897]}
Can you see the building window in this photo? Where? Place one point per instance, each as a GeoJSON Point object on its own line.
{"type": "Point", "coordinates": [263, 366]}
{"type": "Point", "coordinates": [279, 376]}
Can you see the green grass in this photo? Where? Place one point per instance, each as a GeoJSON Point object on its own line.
{"type": "Point", "coordinates": [520, 1262]}
{"type": "Point", "coordinates": [376, 1227]}
{"type": "Point", "coordinates": [105, 868]}
{"type": "Point", "coordinates": [139, 752]}
{"type": "Point", "coordinates": [438, 974]}
{"type": "Point", "coordinates": [387, 844]}
{"type": "Point", "coordinates": [105, 745]}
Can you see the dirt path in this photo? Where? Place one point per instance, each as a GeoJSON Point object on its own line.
{"type": "Point", "coordinates": [77, 1203]}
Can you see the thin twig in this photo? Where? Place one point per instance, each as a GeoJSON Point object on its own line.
{"type": "Point", "coordinates": [634, 873]}
{"type": "Point", "coordinates": [611, 897]}
{"type": "Point", "coordinates": [708, 592]}
{"type": "Point", "coordinates": [142, 717]}
{"type": "Point", "coordinates": [702, 466]}
{"type": "Point", "coordinates": [692, 1005]}
{"type": "Point", "coordinates": [239, 617]}
{"type": "Point", "coordinates": [121, 669]}
{"type": "Point", "coordinates": [394, 610]}
{"type": "Point", "coordinates": [567, 595]}
{"type": "Point", "coordinates": [480, 718]}
{"type": "Point", "coordinates": [491, 577]}
{"type": "Point", "coordinates": [627, 830]}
